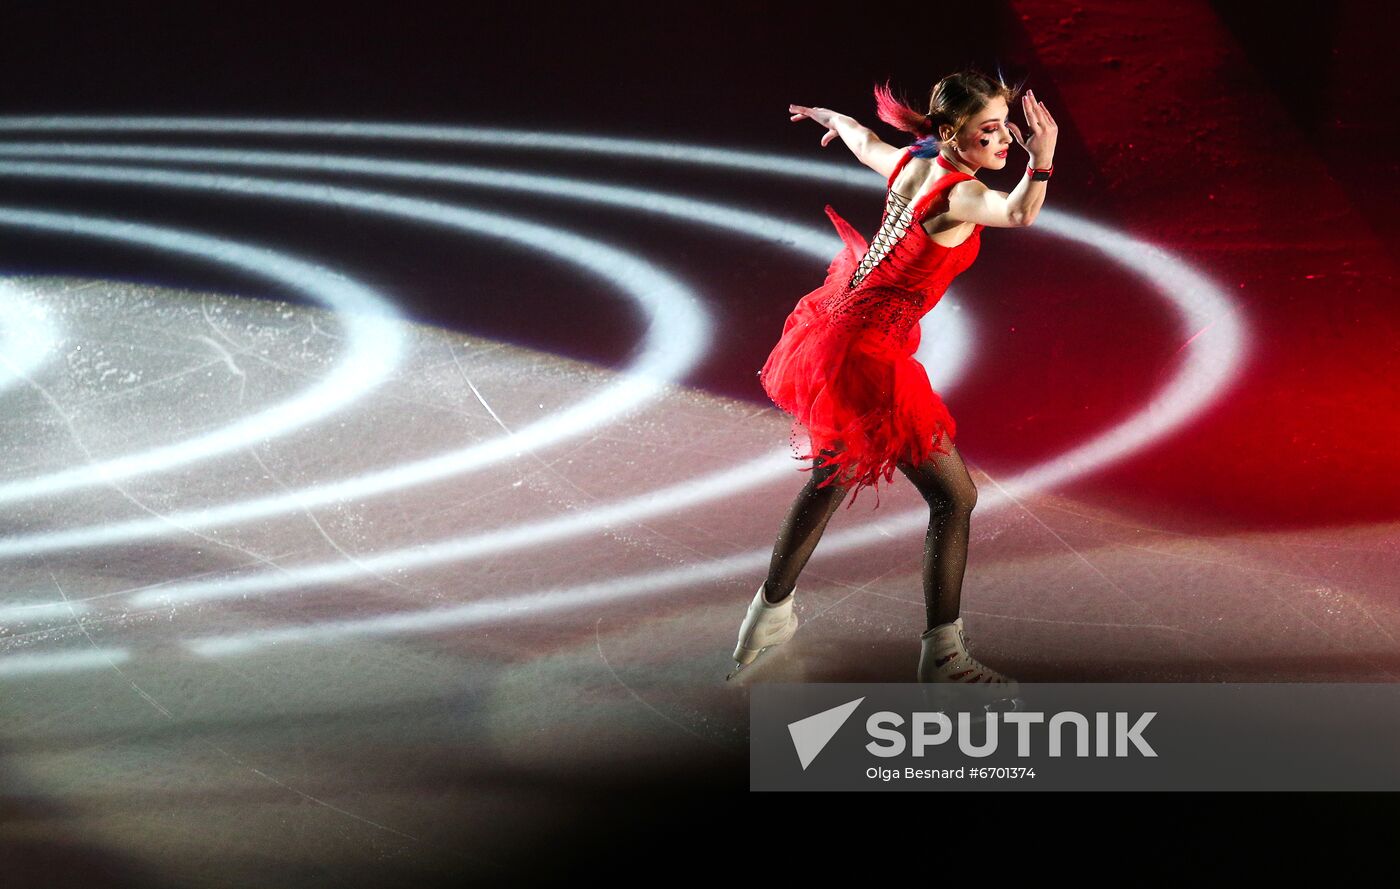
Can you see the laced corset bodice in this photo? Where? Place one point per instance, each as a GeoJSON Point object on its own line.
{"type": "Point", "coordinates": [899, 213]}
{"type": "Point", "coordinates": [902, 273]}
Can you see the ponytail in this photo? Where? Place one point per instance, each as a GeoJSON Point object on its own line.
{"type": "Point", "coordinates": [898, 114]}
{"type": "Point", "coordinates": [951, 102]}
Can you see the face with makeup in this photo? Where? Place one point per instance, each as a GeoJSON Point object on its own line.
{"type": "Point", "coordinates": [985, 140]}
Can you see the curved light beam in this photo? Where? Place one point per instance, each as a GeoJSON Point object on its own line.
{"type": "Point", "coordinates": [951, 338]}
{"type": "Point", "coordinates": [42, 612]}
{"type": "Point", "coordinates": [17, 665]}
{"type": "Point", "coordinates": [372, 353]}
{"type": "Point", "coordinates": [1207, 316]}
{"type": "Point", "coordinates": [1212, 361]}
{"type": "Point", "coordinates": [765, 163]}
{"type": "Point", "coordinates": [677, 334]}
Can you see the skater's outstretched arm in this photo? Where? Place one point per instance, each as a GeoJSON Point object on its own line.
{"type": "Point", "coordinates": [868, 148]}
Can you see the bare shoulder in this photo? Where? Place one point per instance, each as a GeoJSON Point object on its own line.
{"type": "Point", "coordinates": [917, 177]}
{"type": "Point", "coordinates": [926, 176]}
{"type": "Point", "coordinates": [967, 188]}
{"type": "Point", "coordinates": [971, 201]}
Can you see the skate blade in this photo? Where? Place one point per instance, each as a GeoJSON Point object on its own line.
{"type": "Point", "coordinates": [743, 668]}
{"type": "Point", "coordinates": [758, 656]}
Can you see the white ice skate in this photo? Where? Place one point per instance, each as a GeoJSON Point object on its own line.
{"type": "Point", "coordinates": [765, 625]}
{"type": "Point", "coordinates": [945, 658]}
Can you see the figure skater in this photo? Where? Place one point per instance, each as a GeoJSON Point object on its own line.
{"type": "Point", "coordinates": [844, 366]}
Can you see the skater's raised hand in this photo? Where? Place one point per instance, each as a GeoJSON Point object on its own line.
{"type": "Point", "coordinates": [1040, 144]}
{"type": "Point", "coordinates": [824, 116]}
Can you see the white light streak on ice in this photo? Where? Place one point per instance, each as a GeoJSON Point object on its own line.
{"type": "Point", "coordinates": [533, 140]}
{"type": "Point", "coordinates": [1210, 364]}
{"type": "Point", "coordinates": [1212, 361]}
{"type": "Point", "coordinates": [952, 339]}
{"type": "Point", "coordinates": [12, 613]}
{"type": "Point", "coordinates": [1207, 316]}
{"type": "Point", "coordinates": [678, 332]}
{"type": "Point", "coordinates": [12, 665]}
{"type": "Point", "coordinates": [947, 339]}
{"type": "Point", "coordinates": [663, 501]}
{"type": "Point", "coordinates": [372, 351]}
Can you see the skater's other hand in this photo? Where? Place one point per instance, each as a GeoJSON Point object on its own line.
{"type": "Point", "coordinates": [1040, 144]}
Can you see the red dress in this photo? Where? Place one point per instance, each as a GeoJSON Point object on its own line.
{"type": "Point", "coordinates": [844, 367]}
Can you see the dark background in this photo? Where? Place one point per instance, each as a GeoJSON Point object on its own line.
{"type": "Point", "coordinates": [716, 74]}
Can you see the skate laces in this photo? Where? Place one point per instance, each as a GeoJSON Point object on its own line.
{"type": "Point", "coordinates": [965, 661]}
{"type": "Point", "coordinates": [962, 636]}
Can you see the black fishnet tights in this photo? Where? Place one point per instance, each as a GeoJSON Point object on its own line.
{"type": "Point", "coordinates": [946, 486]}
{"type": "Point", "coordinates": [803, 527]}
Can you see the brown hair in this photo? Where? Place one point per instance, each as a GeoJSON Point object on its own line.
{"type": "Point", "coordinates": [951, 102]}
